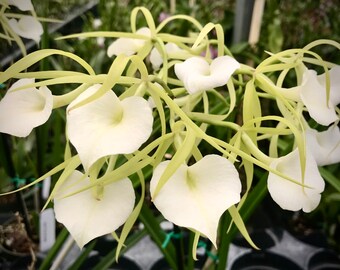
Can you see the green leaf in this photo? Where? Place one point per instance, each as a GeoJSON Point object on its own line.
{"type": "Point", "coordinates": [47, 262]}
{"type": "Point", "coordinates": [334, 197]}
{"type": "Point", "coordinates": [330, 178]}
{"type": "Point", "coordinates": [83, 256]}
{"type": "Point", "coordinates": [239, 47]}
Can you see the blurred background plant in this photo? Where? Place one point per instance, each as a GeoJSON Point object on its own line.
{"type": "Point", "coordinates": [285, 24]}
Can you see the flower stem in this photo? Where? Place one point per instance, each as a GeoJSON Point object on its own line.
{"type": "Point", "coordinates": [178, 243]}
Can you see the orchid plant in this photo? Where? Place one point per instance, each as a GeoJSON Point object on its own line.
{"type": "Point", "coordinates": [154, 113]}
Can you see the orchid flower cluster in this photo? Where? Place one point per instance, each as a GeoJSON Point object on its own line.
{"type": "Point", "coordinates": [175, 94]}
{"type": "Point", "coordinates": [17, 25]}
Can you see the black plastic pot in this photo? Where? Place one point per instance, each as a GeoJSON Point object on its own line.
{"type": "Point", "coordinates": [262, 239]}
{"type": "Point", "coordinates": [263, 260]}
{"type": "Point", "coordinates": [123, 264]}
{"type": "Point", "coordinates": [162, 264]}
{"type": "Point", "coordinates": [324, 260]}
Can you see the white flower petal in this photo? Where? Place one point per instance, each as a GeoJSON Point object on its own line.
{"type": "Point", "coordinates": [197, 196]}
{"type": "Point", "coordinates": [27, 27]}
{"type": "Point", "coordinates": [325, 146]}
{"type": "Point", "coordinates": [313, 95]}
{"type": "Point", "coordinates": [125, 46]}
{"type": "Point", "coordinates": [128, 46]}
{"type": "Point", "coordinates": [108, 126]}
{"type": "Point", "coordinates": [222, 68]}
{"type": "Point", "coordinates": [23, 5]}
{"type": "Point", "coordinates": [23, 110]}
{"type": "Point", "coordinates": [143, 31]}
{"type": "Point", "coordinates": [334, 77]}
{"type": "Point", "coordinates": [87, 217]}
{"type": "Point", "coordinates": [197, 75]}
{"type": "Point", "coordinates": [156, 58]}
{"type": "Point", "coordinates": [190, 69]}
{"type": "Point", "coordinates": [291, 196]}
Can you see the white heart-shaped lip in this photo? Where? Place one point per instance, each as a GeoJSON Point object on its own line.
{"type": "Point", "coordinates": [87, 217]}
{"type": "Point", "coordinates": [27, 27]}
{"type": "Point", "coordinates": [198, 75]}
{"type": "Point", "coordinates": [23, 110]}
{"type": "Point", "coordinates": [289, 195]}
{"type": "Point", "coordinates": [196, 196]}
{"type": "Point", "coordinates": [312, 93]}
{"type": "Point", "coordinates": [108, 126]}
{"type": "Point", "coordinates": [313, 96]}
{"type": "Point", "coordinates": [156, 58]}
{"type": "Point", "coordinates": [128, 46]}
{"type": "Point", "coordinates": [325, 145]}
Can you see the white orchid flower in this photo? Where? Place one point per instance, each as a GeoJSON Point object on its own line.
{"type": "Point", "coordinates": [157, 60]}
{"type": "Point", "coordinates": [27, 27]}
{"type": "Point", "coordinates": [197, 196]}
{"type": "Point", "coordinates": [128, 46]}
{"type": "Point", "coordinates": [108, 126]}
{"type": "Point", "coordinates": [87, 216]}
{"type": "Point", "coordinates": [334, 76]}
{"type": "Point", "coordinates": [313, 95]}
{"type": "Point", "coordinates": [23, 5]}
{"type": "Point", "coordinates": [292, 196]}
{"type": "Point", "coordinates": [198, 75]}
{"type": "Point", "coordinates": [22, 110]}
{"type": "Point", "coordinates": [325, 145]}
